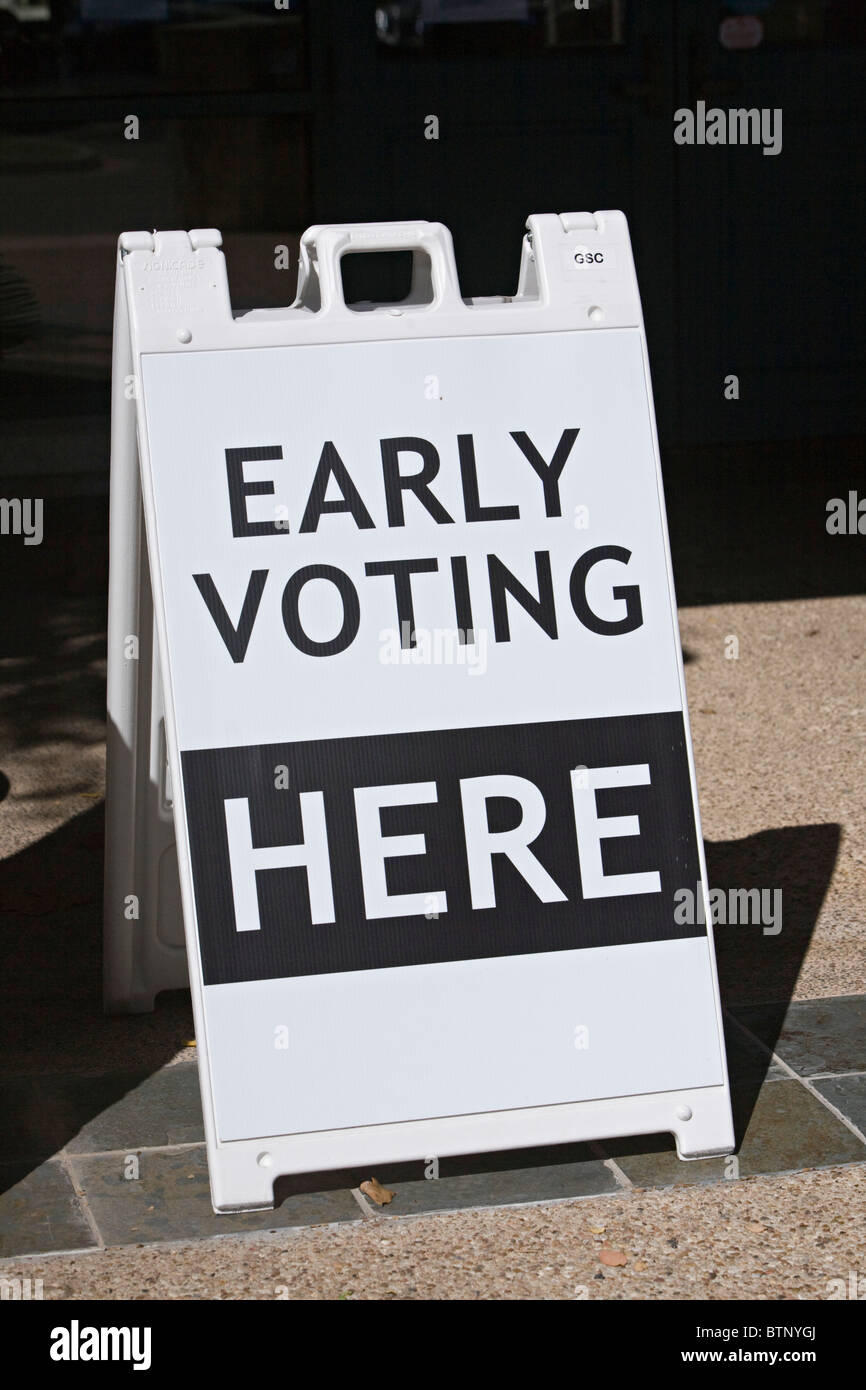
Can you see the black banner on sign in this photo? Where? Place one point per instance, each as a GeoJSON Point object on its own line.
{"type": "Point", "coordinates": [415, 848]}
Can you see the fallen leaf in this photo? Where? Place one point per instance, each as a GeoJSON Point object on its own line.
{"type": "Point", "coordinates": [612, 1257]}
{"type": "Point", "coordinates": [373, 1189]}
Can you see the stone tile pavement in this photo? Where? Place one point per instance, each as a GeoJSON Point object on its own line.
{"type": "Point", "coordinates": [118, 1159]}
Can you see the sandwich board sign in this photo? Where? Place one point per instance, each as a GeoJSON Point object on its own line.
{"type": "Point", "coordinates": [420, 730]}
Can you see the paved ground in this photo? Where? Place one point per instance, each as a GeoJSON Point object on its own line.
{"type": "Point", "coordinates": [95, 1162]}
{"type": "Point", "coordinates": [779, 737]}
{"type": "Point", "coordinates": [796, 1237]}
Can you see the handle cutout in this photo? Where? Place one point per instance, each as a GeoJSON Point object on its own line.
{"type": "Point", "coordinates": [378, 279]}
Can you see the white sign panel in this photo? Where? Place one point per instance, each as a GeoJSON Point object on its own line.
{"type": "Point", "coordinates": [433, 781]}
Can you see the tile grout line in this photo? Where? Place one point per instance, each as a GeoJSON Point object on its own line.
{"type": "Point", "coordinates": [806, 1083]}
{"type": "Point", "coordinates": [138, 1149]}
{"type": "Point", "coordinates": [75, 1154]}
{"type": "Point", "coordinates": [81, 1198]}
{"type": "Point", "coordinates": [622, 1179]}
{"type": "Point", "coordinates": [476, 1210]}
{"type": "Point", "coordinates": [828, 1104]}
{"type": "Point", "coordinates": [835, 1075]}
{"type": "Point", "coordinates": [367, 1211]}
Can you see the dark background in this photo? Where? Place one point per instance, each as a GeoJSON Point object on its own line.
{"type": "Point", "coordinates": [261, 121]}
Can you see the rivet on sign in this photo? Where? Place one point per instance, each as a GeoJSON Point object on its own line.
{"type": "Point", "coordinates": [265, 1160]}
{"type": "Point", "coordinates": [684, 1112]}
{"type": "Point", "coordinates": [595, 314]}
{"type": "Point", "coordinates": [184, 335]}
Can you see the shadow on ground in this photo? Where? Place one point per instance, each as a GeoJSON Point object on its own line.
{"type": "Point", "coordinates": [51, 946]}
{"type": "Point", "coordinates": [51, 971]}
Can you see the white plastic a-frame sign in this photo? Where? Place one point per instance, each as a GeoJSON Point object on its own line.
{"type": "Point", "coordinates": [424, 716]}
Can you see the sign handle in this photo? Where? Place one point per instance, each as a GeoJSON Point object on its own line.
{"type": "Point", "coordinates": [434, 272]}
